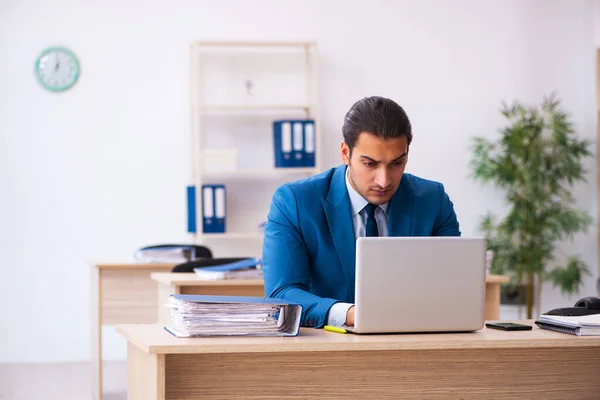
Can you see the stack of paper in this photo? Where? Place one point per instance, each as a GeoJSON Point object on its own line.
{"type": "Point", "coordinates": [172, 254]}
{"type": "Point", "coordinates": [585, 325]}
{"type": "Point", "coordinates": [250, 268]}
{"type": "Point", "coordinates": [195, 315]}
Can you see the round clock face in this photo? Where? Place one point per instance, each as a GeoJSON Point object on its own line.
{"type": "Point", "coordinates": [57, 69]}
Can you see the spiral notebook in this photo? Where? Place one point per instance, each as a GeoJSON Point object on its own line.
{"type": "Point", "coordinates": [585, 325]}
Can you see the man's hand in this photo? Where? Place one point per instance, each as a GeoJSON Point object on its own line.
{"type": "Point", "coordinates": [350, 317]}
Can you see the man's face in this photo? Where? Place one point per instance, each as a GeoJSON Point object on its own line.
{"type": "Point", "coordinates": [375, 166]}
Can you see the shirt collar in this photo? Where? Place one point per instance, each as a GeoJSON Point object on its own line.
{"type": "Point", "coordinates": [357, 202]}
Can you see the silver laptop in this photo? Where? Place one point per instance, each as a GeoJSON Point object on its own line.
{"type": "Point", "coordinates": [419, 284]}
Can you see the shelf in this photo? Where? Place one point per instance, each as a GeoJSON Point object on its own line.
{"type": "Point", "coordinates": [260, 173]}
{"type": "Point", "coordinates": [253, 44]}
{"type": "Point", "coordinates": [225, 117]}
{"type": "Point", "coordinates": [231, 235]}
{"type": "Point", "coordinates": [252, 108]}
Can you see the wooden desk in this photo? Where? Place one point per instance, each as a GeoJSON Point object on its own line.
{"type": "Point", "coordinates": [188, 283]}
{"type": "Point", "coordinates": [121, 293]}
{"type": "Point", "coordinates": [488, 364]}
{"type": "Point", "coordinates": [124, 293]}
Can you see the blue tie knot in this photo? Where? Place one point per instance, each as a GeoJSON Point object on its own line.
{"type": "Point", "coordinates": [371, 209]}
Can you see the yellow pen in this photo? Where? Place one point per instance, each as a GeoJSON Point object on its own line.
{"type": "Point", "coordinates": [334, 329]}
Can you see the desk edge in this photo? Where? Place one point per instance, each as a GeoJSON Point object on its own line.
{"type": "Point", "coordinates": [289, 345]}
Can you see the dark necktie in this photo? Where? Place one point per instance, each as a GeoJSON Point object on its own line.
{"type": "Point", "coordinates": [372, 229]}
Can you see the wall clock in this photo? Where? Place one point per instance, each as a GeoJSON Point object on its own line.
{"type": "Point", "coordinates": [57, 69]}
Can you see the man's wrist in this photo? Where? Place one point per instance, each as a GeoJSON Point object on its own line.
{"type": "Point", "coordinates": [350, 316]}
{"type": "Point", "coordinates": [338, 314]}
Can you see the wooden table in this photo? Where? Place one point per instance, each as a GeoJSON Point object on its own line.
{"type": "Point", "coordinates": [121, 293]}
{"type": "Point", "coordinates": [188, 283]}
{"type": "Point", "coordinates": [487, 364]}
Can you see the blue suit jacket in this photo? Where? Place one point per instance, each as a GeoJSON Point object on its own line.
{"type": "Point", "coordinates": [309, 247]}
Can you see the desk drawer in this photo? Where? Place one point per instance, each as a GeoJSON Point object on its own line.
{"type": "Point", "coordinates": [128, 296]}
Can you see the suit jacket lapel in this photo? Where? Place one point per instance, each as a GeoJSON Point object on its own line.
{"type": "Point", "coordinates": [339, 218]}
{"type": "Point", "coordinates": [400, 210]}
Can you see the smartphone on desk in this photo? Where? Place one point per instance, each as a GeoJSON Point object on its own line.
{"type": "Point", "coordinates": [508, 326]}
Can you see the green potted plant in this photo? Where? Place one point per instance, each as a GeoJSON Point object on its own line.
{"type": "Point", "coordinates": [536, 161]}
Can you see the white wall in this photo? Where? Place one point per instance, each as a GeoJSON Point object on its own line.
{"type": "Point", "coordinates": [597, 23]}
{"type": "Point", "coordinates": [94, 173]}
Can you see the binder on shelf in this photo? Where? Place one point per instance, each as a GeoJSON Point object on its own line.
{"type": "Point", "coordinates": [309, 143]}
{"type": "Point", "coordinates": [298, 144]}
{"type": "Point", "coordinates": [198, 315]}
{"type": "Point", "coordinates": [220, 207]}
{"type": "Point", "coordinates": [213, 208]}
{"type": "Point", "coordinates": [191, 209]}
{"type": "Point", "coordinates": [282, 135]}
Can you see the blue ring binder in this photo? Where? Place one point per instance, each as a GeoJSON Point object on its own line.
{"type": "Point", "coordinates": [191, 209]}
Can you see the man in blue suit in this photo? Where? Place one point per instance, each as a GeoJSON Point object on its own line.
{"type": "Point", "coordinates": [311, 231]}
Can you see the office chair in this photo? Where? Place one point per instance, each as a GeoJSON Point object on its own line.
{"type": "Point", "coordinates": [199, 252]}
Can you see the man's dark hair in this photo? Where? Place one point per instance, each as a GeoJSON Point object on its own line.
{"type": "Point", "coordinates": [378, 116]}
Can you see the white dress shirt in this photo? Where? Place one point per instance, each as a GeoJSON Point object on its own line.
{"type": "Point", "coordinates": [337, 312]}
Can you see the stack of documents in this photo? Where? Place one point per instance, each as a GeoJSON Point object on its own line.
{"type": "Point", "coordinates": [196, 315]}
{"type": "Point", "coordinates": [250, 268]}
{"type": "Point", "coordinates": [173, 254]}
{"type": "Point", "coordinates": [585, 325]}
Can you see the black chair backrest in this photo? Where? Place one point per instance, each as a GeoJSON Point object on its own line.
{"type": "Point", "coordinates": [201, 252]}
{"type": "Point", "coordinates": [205, 262]}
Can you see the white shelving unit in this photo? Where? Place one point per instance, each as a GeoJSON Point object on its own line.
{"type": "Point", "coordinates": [261, 173]}
{"type": "Point", "coordinates": [237, 90]}
{"type": "Point", "coordinates": [250, 108]}
{"type": "Point", "coordinates": [232, 235]}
